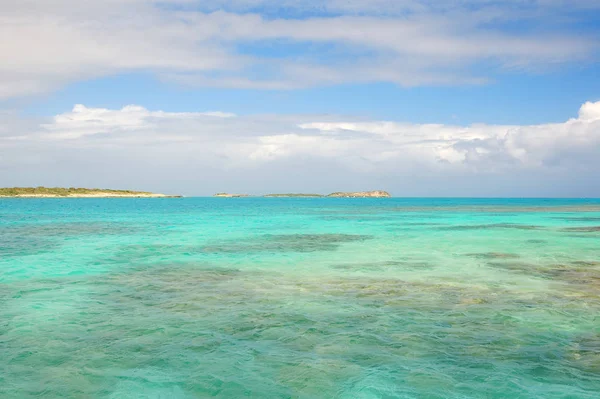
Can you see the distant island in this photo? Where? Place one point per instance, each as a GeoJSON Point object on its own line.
{"type": "Point", "coordinates": [72, 192]}
{"type": "Point", "coordinates": [227, 195]}
{"type": "Point", "coordinates": [294, 195]}
{"type": "Point", "coordinates": [361, 194]}
{"type": "Point", "coordinates": [352, 194]}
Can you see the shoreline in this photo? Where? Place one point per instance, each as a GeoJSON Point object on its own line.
{"type": "Point", "coordinates": [91, 196]}
{"type": "Point", "coordinates": [76, 192]}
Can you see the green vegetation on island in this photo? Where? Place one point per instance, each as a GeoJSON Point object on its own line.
{"type": "Point", "coordinates": [61, 192]}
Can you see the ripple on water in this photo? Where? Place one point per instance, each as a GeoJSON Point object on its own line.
{"type": "Point", "coordinates": [155, 322]}
{"type": "Point", "coordinates": [196, 330]}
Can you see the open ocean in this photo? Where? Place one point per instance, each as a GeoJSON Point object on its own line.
{"type": "Point", "coordinates": [299, 298]}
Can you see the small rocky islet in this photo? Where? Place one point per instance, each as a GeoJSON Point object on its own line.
{"type": "Point", "coordinates": [350, 194]}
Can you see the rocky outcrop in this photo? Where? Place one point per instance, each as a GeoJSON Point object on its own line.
{"type": "Point", "coordinates": [361, 194]}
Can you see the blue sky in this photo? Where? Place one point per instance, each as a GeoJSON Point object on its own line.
{"type": "Point", "coordinates": [509, 99]}
{"type": "Point", "coordinates": [379, 73]}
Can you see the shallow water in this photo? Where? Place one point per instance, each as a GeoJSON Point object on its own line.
{"type": "Point", "coordinates": [299, 298]}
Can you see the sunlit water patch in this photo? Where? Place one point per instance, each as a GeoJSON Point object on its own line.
{"type": "Point", "coordinates": [299, 298]}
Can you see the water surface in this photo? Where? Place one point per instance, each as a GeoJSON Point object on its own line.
{"type": "Point", "coordinates": [299, 298]}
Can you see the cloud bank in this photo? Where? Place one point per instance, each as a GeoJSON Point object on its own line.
{"type": "Point", "coordinates": [291, 44]}
{"type": "Point", "coordinates": [203, 152]}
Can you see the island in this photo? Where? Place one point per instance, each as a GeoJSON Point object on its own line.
{"type": "Point", "coordinates": [227, 195]}
{"type": "Point", "coordinates": [361, 194]}
{"type": "Point", "coordinates": [300, 195]}
{"type": "Point", "coordinates": [352, 194]}
{"type": "Point", "coordinates": [72, 192]}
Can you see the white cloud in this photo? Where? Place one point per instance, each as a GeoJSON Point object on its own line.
{"type": "Point", "coordinates": [385, 7]}
{"type": "Point", "coordinates": [263, 152]}
{"type": "Point", "coordinates": [590, 111]}
{"type": "Point", "coordinates": [56, 42]}
{"type": "Point", "coordinates": [82, 121]}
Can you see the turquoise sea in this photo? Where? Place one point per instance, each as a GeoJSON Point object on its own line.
{"type": "Point", "coordinates": [299, 298]}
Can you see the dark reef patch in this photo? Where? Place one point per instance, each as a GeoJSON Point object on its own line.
{"type": "Point", "coordinates": [71, 229]}
{"type": "Point", "coordinates": [579, 219]}
{"type": "Point", "coordinates": [15, 246]}
{"type": "Point", "coordinates": [150, 252]}
{"type": "Point", "coordinates": [384, 265]}
{"type": "Point", "coordinates": [180, 274]}
{"type": "Point", "coordinates": [285, 243]}
{"type": "Point", "coordinates": [583, 229]}
{"type": "Point", "coordinates": [521, 267]}
{"type": "Point", "coordinates": [584, 352]}
{"type": "Point", "coordinates": [586, 262]}
{"type": "Point", "coordinates": [580, 276]}
{"type": "Point", "coordinates": [266, 243]}
{"type": "Point", "coordinates": [536, 241]}
{"type": "Point", "coordinates": [492, 226]}
{"type": "Point", "coordinates": [585, 276]}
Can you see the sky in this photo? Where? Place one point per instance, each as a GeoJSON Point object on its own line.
{"type": "Point", "coordinates": [485, 98]}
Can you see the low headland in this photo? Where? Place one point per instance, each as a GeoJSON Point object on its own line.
{"type": "Point", "coordinates": [351, 194]}
{"type": "Point", "coordinates": [72, 192]}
